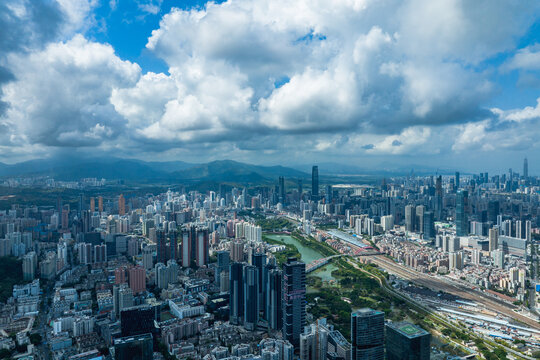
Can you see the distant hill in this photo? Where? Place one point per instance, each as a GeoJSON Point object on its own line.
{"type": "Point", "coordinates": [140, 171]}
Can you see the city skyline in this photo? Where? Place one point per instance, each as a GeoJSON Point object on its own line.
{"type": "Point", "coordinates": [269, 83]}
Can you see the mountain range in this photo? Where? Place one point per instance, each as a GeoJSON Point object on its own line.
{"type": "Point", "coordinates": [70, 169]}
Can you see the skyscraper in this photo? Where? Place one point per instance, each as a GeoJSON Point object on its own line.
{"type": "Point", "coordinates": [137, 279]}
{"type": "Point", "coordinates": [294, 300]}
{"type": "Point", "coordinates": [462, 223]}
{"type": "Point", "coordinates": [457, 180]}
{"type": "Point", "coordinates": [274, 299]}
{"type": "Point", "coordinates": [251, 297]}
{"type": "Point", "coordinates": [315, 183]}
{"type": "Point", "coordinates": [161, 241]}
{"type": "Point", "coordinates": [409, 217]}
{"type": "Point", "coordinates": [419, 223]}
{"type": "Point", "coordinates": [300, 189]}
{"type": "Point", "coordinates": [406, 341]}
{"type": "Point", "coordinates": [429, 225]}
{"type": "Point", "coordinates": [259, 260]}
{"type": "Point", "coordinates": [367, 334]}
{"type": "Point", "coordinates": [525, 169]}
{"type": "Point", "coordinates": [100, 204]}
{"type": "Point", "coordinates": [223, 261]}
{"type": "Point", "coordinates": [92, 204]}
{"type": "Point", "coordinates": [282, 190]}
{"type": "Point", "coordinates": [236, 293]}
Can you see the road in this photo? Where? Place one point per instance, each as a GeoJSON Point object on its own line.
{"type": "Point", "coordinates": [427, 310]}
{"type": "Point", "coordinates": [452, 288]}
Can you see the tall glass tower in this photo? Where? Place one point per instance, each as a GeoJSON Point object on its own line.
{"type": "Point", "coordinates": [294, 300]}
{"type": "Point", "coordinates": [315, 183]}
{"type": "Point", "coordinates": [367, 334]}
{"type": "Point", "coordinates": [462, 223]}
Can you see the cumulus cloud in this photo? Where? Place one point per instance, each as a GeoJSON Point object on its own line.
{"type": "Point", "coordinates": [372, 77]}
{"type": "Point", "coordinates": [62, 94]}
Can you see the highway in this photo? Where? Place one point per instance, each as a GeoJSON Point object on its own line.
{"type": "Point", "coordinates": [452, 288]}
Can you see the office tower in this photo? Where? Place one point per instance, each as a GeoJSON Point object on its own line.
{"type": "Point", "coordinates": [121, 205]}
{"type": "Point", "coordinates": [419, 219]}
{"type": "Point", "coordinates": [294, 300]}
{"type": "Point", "coordinates": [493, 211]}
{"type": "Point", "coordinates": [461, 220]}
{"type": "Point", "coordinates": [81, 205]}
{"type": "Point", "coordinates": [300, 189]}
{"type": "Point", "coordinates": [120, 275]}
{"type": "Point", "coordinates": [148, 258]}
{"type": "Point", "coordinates": [282, 190]}
{"type": "Point", "coordinates": [92, 204]}
{"type": "Point", "coordinates": [409, 217]}
{"type": "Point", "coordinates": [139, 347]}
{"type": "Point", "coordinates": [65, 218]}
{"type": "Point", "coordinates": [137, 279]}
{"type": "Point", "coordinates": [493, 239]}
{"type": "Point", "coordinates": [367, 334]}
{"type": "Point", "coordinates": [429, 225]}
{"type": "Point", "coordinates": [406, 341]}
{"type": "Point", "coordinates": [457, 180]}
{"type": "Point", "coordinates": [100, 204]}
{"type": "Point", "coordinates": [438, 198]}
{"type": "Point", "coordinates": [259, 260]}
{"type": "Point", "coordinates": [251, 297]}
{"type": "Point", "coordinates": [528, 230]}
{"type": "Point", "coordinates": [314, 184]}
{"type": "Point", "coordinates": [525, 169]}
{"type": "Point", "coordinates": [223, 260]}
{"type": "Point", "coordinates": [236, 293]}
{"type": "Point", "coordinates": [237, 251]}
{"type": "Point", "coordinates": [137, 320]}
{"type": "Point", "coordinates": [328, 194]}
{"type": "Point", "coordinates": [274, 299]}
{"type": "Point", "coordinates": [161, 241]}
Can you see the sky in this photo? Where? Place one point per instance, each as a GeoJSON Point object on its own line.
{"type": "Point", "coordinates": [372, 83]}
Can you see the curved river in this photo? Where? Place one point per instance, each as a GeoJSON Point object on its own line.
{"type": "Point", "coordinates": [308, 255]}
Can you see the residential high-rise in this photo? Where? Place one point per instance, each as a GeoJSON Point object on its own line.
{"type": "Point", "coordinates": [493, 239]}
{"type": "Point", "coordinates": [236, 293]}
{"type": "Point", "coordinates": [367, 334]}
{"type": "Point", "coordinates": [462, 222]}
{"type": "Point", "coordinates": [29, 266]}
{"type": "Point", "coordinates": [137, 279]}
{"type": "Point", "coordinates": [294, 300]}
{"type": "Point", "coordinates": [274, 299]}
{"type": "Point", "coordinates": [202, 247]}
{"type": "Point", "coordinates": [92, 204]}
{"type": "Point", "coordinates": [314, 184]}
{"type": "Point", "coordinates": [148, 258]}
{"type": "Point", "coordinates": [121, 205]}
{"type": "Point", "coordinates": [100, 204]}
{"type": "Point", "coordinates": [120, 275]}
{"type": "Point", "coordinates": [237, 251]}
{"type": "Point", "coordinates": [251, 297]}
{"type": "Point", "coordinates": [406, 341]}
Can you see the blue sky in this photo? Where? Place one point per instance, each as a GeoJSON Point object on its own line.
{"type": "Point", "coordinates": [441, 84]}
